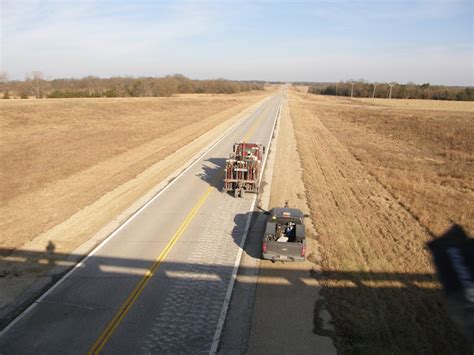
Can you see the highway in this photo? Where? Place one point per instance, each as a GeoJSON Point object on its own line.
{"type": "Point", "coordinates": [161, 283]}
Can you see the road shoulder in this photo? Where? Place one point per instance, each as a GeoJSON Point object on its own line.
{"type": "Point", "coordinates": [274, 305]}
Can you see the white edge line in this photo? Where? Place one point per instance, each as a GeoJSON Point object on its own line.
{"type": "Point", "coordinates": [124, 224]}
{"type": "Point", "coordinates": [228, 295]}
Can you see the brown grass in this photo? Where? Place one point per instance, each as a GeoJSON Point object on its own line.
{"type": "Point", "coordinates": [378, 180]}
{"type": "Point", "coordinates": [439, 105]}
{"type": "Point", "coordinates": [424, 158]}
{"type": "Point", "coordinates": [60, 155]}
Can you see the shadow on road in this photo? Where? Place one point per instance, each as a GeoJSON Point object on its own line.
{"type": "Point", "coordinates": [213, 172]}
{"type": "Point", "coordinates": [371, 305]}
{"type": "Point", "coordinates": [256, 232]}
{"type": "Point", "coordinates": [350, 287]}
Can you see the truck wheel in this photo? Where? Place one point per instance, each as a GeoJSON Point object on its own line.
{"type": "Point", "coordinates": [236, 193]}
{"type": "Point", "coordinates": [242, 193]}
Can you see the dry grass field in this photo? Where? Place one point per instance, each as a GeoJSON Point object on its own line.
{"type": "Point", "coordinates": [60, 155]}
{"type": "Point", "coordinates": [425, 158]}
{"type": "Point", "coordinates": [439, 105]}
{"type": "Point", "coordinates": [380, 182]}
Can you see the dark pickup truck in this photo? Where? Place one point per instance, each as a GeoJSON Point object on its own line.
{"type": "Point", "coordinates": [284, 237]}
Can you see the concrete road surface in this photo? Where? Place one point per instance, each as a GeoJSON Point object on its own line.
{"type": "Point", "coordinates": [160, 284]}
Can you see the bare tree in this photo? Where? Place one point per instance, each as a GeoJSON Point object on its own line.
{"type": "Point", "coordinates": [392, 84]}
{"type": "Point", "coordinates": [3, 77]}
{"type": "Point", "coordinates": [36, 78]}
{"type": "Point", "coordinates": [4, 84]}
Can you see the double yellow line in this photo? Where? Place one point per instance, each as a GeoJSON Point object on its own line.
{"type": "Point", "coordinates": [137, 291]}
{"type": "Point", "coordinates": [114, 323]}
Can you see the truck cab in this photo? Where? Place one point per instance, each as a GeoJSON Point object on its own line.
{"type": "Point", "coordinates": [284, 237]}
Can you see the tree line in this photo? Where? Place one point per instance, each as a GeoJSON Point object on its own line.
{"type": "Point", "coordinates": [399, 91]}
{"type": "Point", "coordinates": [36, 85]}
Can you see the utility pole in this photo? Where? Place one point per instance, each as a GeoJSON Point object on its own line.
{"type": "Point", "coordinates": [390, 93]}
{"type": "Point", "coordinates": [352, 90]}
{"type": "Point", "coordinates": [373, 94]}
{"type": "Point", "coordinates": [336, 88]}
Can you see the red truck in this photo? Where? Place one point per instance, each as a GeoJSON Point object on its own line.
{"type": "Point", "coordinates": [242, 169]}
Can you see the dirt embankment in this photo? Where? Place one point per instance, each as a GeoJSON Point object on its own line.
{"type": "Point", "coordinates": [58, 156]}
{"type": "Point", "coordinates": [378, 279]}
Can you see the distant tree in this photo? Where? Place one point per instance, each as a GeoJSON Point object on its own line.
{"type": "Point", "coordinates": [3, 77]}
{"type": "Point", "coordinates": [468, 94]}
{"type": "Point", "coordinates": [167, 86]}
{"type": "Point", "coordinates": [90, 83]}
{"type": "Point", "coordinates": [6, 95]}
{"type": "Point", "coordinates": [330, 90]}
{"type": "Point", "coordinates": [179, 76]}
{"type": "Point", "coordinates": [186, 86]}
{"type": "Point", "coordinates": [110, 93]}
{"type": "Point", "coordinates": [400, 91]}
{"type": "Point", "coordinates": [4, 82]}
{"type": "Point", "coordinates": [36, 79]}
{"type": "Point", "coordinates": [136, 89]}
{"type": "Point", "coordinates": [35, 84]}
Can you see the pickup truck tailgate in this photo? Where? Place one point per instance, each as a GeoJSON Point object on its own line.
{"type": "Point", "coordinates": [284, 250]}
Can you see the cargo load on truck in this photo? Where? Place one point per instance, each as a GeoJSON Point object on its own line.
{"type": "Point", "coordinates": [243, 168]}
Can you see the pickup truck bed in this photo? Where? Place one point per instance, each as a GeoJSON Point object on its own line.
{"type": "Point", "coordinates": [284, 237]}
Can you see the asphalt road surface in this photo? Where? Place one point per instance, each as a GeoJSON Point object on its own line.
{"type": "Point", "coordinates": [160, 284]}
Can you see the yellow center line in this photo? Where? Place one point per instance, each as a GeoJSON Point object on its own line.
{"type": "Point", "coordinates": [127, 305]}
{"type": "Point", "coordinates": [113, 324]}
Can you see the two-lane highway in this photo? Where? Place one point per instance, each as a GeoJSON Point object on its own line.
{"type": "Point", "coordinates": [160, 284]}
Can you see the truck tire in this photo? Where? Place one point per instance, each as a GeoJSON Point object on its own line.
{"type": "Point", "coordinates": [242, 193]}
{"type": "Point", "coordinates": [236, 193]}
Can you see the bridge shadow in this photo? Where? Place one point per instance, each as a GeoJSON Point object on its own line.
{"type": "Point", "coordinates": [374, 312]}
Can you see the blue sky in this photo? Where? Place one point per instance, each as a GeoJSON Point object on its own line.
{"type": "Point", "coordinates": [419, 41]}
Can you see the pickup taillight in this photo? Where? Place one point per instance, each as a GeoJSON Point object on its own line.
{"type": "Point", "coordinates": [264, 247]}
{"type": "Point", "coordinates": [303, 250]}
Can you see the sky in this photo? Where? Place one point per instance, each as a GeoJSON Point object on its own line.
{"type": "Point", "coordinates": [379, 41]}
